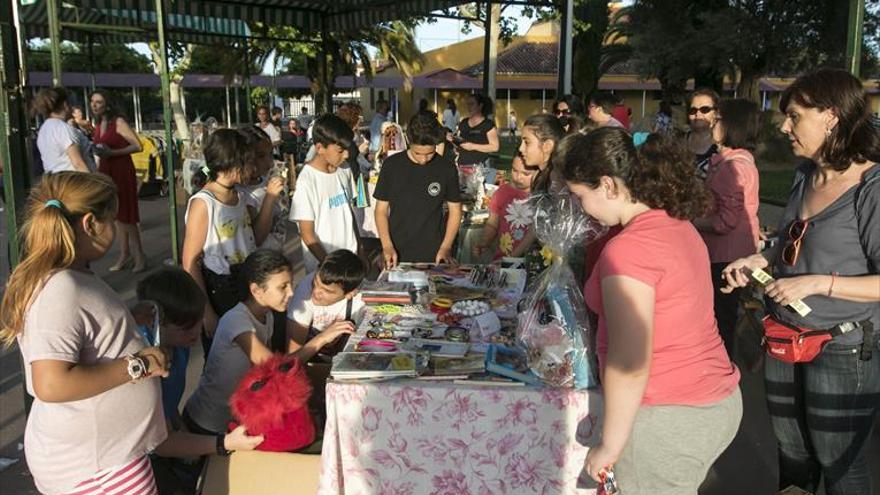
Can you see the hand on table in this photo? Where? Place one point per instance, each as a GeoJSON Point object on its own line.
{"type": "Point", "coordinates": [390, 256]}
{"type": "Point", "coordinates": [444, 255]}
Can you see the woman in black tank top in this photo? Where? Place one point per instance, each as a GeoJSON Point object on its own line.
{"type": "Point", "coordinates": [477, 136]}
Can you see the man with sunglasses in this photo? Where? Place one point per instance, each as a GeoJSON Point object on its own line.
{"type": "Point", "coordinates": [702, 115]}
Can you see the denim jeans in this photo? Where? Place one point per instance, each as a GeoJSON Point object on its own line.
{"type": "Point", "coordinates": [822, 414]}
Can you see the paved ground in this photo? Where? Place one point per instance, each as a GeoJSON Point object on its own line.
{"type": "Point", "coordinates": [747, 467]}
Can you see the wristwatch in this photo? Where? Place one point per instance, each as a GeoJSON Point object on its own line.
{"type": "Point", "coordinates": [137, 367]}
{"type": "Point", "coordinates": [221, 447]}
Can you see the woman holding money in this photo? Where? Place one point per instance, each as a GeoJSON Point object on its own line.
{"type": "Point", "coordinates": [822, 406]}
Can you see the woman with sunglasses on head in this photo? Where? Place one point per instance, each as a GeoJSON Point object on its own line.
{"type": "Point", "coordinates": [702, 104]}
{"type": "Point", "coordinates": [823, 410]}
{"type": "Point", "coordinates": [731, 231]}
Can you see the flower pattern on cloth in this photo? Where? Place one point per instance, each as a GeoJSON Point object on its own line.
{"type": "Point", "coordinates": [515, 216]}
{"type": "Point", "coordinates": [408, 436]}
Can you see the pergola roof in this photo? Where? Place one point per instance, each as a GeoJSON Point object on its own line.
{"type": "Point", "coordinates": [212, 21]}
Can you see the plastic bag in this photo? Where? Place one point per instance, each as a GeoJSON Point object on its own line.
{"type": "Point", "coordinates": [552, 323]}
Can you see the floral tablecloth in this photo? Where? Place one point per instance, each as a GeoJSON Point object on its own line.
{"type": "Point", "coordinates": [416, 437]}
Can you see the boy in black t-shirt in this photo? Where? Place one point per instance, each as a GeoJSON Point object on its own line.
{"type": "Point", "coordinates": [412, 189]}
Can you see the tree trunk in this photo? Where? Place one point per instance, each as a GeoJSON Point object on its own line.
{"type": "Point", "coordinates": [749, 87]}
{"type": "Point", "coordinates": [180, 121]}
{"type": "Point", "coordinates": [176, 90]}
{"type": "Point", "coordinates": [495, 20]}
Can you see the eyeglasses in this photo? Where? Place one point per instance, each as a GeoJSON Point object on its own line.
{"type": "Point", "coordinates": [563, 112]}
{"type": "Point", "coordinates": [792, 249]}
{"type": "Point", "coordinates": [703, 110]}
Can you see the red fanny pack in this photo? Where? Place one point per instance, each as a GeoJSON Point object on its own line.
{"type": "Point", "coordinates": [792, 344]}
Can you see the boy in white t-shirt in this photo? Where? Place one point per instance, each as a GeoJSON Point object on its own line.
{"type": "Point", "coordinates": [321, 204]}
{"type": "Point", "coordinates": [326, 300]}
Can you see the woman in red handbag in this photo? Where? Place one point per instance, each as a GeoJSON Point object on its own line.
{"type": "Point", "coordinates": [823, 408]}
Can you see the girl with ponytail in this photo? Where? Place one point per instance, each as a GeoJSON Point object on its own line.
{"type": "Point", "coordinates": [96, 412]}
{"type": "Point", "coordinates": [219, 233]}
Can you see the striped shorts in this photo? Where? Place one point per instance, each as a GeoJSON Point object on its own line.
{"type": "Point", "coordinates": [133, 478]}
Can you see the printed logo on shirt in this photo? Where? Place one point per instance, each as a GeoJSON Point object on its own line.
{"type": "Point", "coordinates": [337, 200]}
{"type": "Point", "coordinates": [434, 189]}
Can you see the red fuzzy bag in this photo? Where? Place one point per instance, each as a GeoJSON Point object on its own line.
{"type": "Point", "coordinates": [272, 400]}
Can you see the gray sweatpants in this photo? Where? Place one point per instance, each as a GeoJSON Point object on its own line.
{"type": "Point", "coordinates": [671, 448]}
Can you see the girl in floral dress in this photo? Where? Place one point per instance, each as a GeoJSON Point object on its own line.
{"type": "Point", "coordinates": [510, 213]}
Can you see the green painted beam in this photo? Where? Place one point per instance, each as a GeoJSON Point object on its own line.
{"type": "Point", "coordinates": [54, 40]}
{"type": "Point", "coordinates": [169, 137]}
{"type": "Point", "coordinates": [855, 28]}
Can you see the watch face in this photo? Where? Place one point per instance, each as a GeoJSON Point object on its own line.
{"type": "Point", "coordinates": [135, 368]}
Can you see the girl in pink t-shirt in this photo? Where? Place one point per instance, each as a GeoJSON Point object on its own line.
{"type": "Point", "coordinates": [97, 411]}
{"type": "Point", "coordinates": [672, 401]}
{"type": "Point", "coordinates": [510, 214]}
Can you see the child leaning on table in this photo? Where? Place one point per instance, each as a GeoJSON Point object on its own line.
{"type": "Point", "coordinates": [242, 340]}
{"type": "Point", "coordinates": [510, 213]}
{"type": "Point", "coordinates": [326, 300]}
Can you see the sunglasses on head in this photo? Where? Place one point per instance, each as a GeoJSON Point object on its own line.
{"type": "Point", "coordinates": [792, 249]}
{"type": "Point", "coordinates": [703, 110]}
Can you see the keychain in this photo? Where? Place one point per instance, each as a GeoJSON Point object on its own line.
{"type": "Point", "coordinates": [609, 483]}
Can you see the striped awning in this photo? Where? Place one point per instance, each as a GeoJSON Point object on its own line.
{"type": "Point", "coordinates": [212, 21]}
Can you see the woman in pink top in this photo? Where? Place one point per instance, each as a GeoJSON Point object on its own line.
{"type": "Point", "coordinates": [672, 401]}
{"type": "Point", "coordinates": [731, 229]}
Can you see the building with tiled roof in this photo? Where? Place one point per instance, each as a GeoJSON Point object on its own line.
{"type": "Point", "coordinates": [526, 78]}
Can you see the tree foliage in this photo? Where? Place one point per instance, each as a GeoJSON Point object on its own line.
{"type": "Point", "coordinates": [675, 40]}
{"type": "Point", "coordinates": [115, 57]}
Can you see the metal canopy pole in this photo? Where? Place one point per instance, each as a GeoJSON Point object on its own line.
{"type": "Point", "coordinates": [247, 82]}
{"type": "Point", "coordinates": [854, 36]}
{"type": "Point", "coordinates": [134, 105]}
{"type": "Point", "coordinates": [237, 105]}
{"type": "Point", "coordinates": [563, 84]}
{"type": "Point", "coordinates": [92, 63]}
{"type": "Point", "coordinates": [54, 40]}
{"type": "Point", "coordinates": [13, 126]}
{"type": "Point", "coordinates": [169, 138]}
{"type": "Point", "coordinates": [228, 108]}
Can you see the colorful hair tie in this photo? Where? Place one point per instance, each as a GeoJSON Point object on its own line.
{"type": "Point", "coordinates": [639, 138]}
{"type": "Point", "coordinates": [56, 204]}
